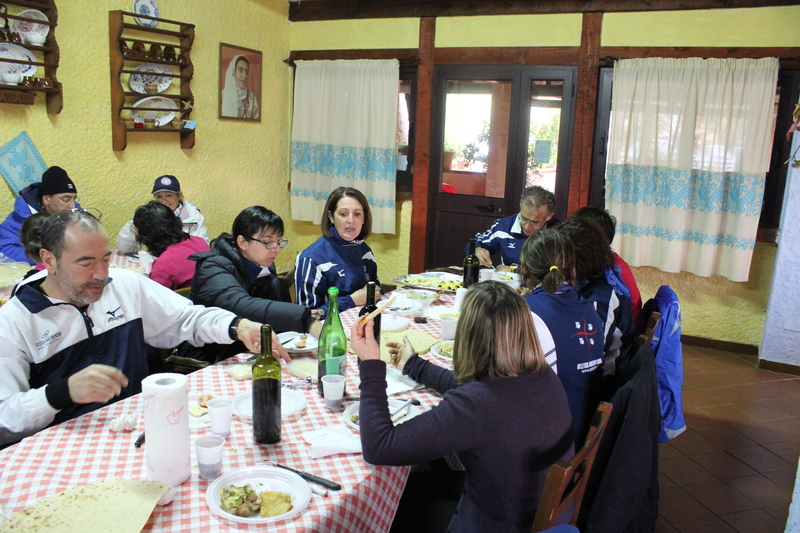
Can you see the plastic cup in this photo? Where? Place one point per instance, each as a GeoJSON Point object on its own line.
{"type": "Point", "coordinates": [460, 293]}
{"type": "Point", "coordinates": [485, 274]}
{"type": "Point", "coordinates": [449, 327]}
{"type": "Point", "coordinates": [220, 411]}
{"type": "Point", "coordinates": [333, 387]}
{"type": "Point", "coordinates": [209, 455]}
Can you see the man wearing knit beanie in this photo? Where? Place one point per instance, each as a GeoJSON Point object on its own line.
{"type": "Point", "coordinates": [54, 193]}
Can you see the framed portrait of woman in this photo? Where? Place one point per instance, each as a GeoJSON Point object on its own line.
{"type": "Point", "coordinates": [239, 83]}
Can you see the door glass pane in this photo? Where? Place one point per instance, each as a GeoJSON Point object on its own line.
{"type": "Point", "coordinates": [476, 124]}
{"type": "Point", "coordinates": [543, 133]}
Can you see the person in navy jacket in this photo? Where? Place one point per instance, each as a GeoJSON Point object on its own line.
{"type": "Point", "coordinates": [507, 235]}
{"type": "Point", "coordinates": [340, 258]}
{"type": "Point", "coordinates": [547, 265]}
{"type": "Point", "coordinates": [54, 193]}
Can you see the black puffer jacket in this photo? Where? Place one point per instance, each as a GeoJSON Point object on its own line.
{"type": "Point", "coordinates": [220, 280]}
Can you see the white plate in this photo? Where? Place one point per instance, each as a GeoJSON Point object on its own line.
{"type": "Point", "coordinates": [392, 322]}
{"type": "Point", "coordinates": [435, 349]}
{"type": "Point", "coordinates": [437, 311]}
{"type": "Point", "coordinates": [149, 74]}
{"type": "Point", "coordinates": [152, 104]}
{"type": "Point", "coordinates": [16, 52]}
{"type": "Point", "coordinates": [428, 280]}
{"type": "Point", "coordinates": [293, 336]}
{"type": "Point", "coordinates": [352, 409]}
{"type": "Point", "coordinates": [32, 32]}
{"type": "Point", "coordinates": [261, 478]}
{"type": "Point", "coordinates": [292, 402]}
{"type": "Point", "coordinates": [148, 8]}
{"type": "Point", "coordinates": [198, 421]}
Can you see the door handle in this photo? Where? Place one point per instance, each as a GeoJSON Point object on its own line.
{"type": "Point", "coordinates": [489, 208]}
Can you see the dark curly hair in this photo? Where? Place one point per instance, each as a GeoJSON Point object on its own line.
{"type": "Point", "coordinates": [541, 252]}
{"type": "Point", "coordinates": [592, 252]}
{"type": "Point", "coordinates": [599, 216]}
{"type": "Point", "coordinates": [157, 227]}
{"type": "Point", "coordinates": [31, 235]}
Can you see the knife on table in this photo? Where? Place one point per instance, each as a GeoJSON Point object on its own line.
{"type": "Point", "coordinates": [310, 477]}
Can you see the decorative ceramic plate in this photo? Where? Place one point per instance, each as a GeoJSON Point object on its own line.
{"type": "Point", "coordinates": [152, 104]}
{"type": "Point", "coordinates": [149, 8]}
{"type": "Point", "coordinates": [30, 31]}
{"type": "Point", "coordinates": [292, 402]}
{"type": "Point", "coordinates": [16, 52]}
{"type": "Point", "coordinates": [149, 75]}
{"type": "Point", "coordinates": [290, 340]}
{"type": "Point", "coordinates": [261, 478]}
{"type": "Point", "coordinates": [352, 411]}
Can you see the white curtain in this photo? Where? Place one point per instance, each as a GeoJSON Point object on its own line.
{"type": "Point", "coordinates": [688, 152]}
{"type": "Point", "coordinates": [345, 122]}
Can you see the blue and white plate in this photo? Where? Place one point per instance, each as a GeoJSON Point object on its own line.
{"type": "Point", "coordinates": [148, 8]}
{"type": "Point", "coordinates": [155, 107]}
{"type": "Point", "coordinates": [18, 53]}
{"type": "Point", "coordinates": [148, 75]}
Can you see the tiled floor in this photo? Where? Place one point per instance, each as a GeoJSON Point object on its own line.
{"type": "Point", "coordinates": [733, 470]}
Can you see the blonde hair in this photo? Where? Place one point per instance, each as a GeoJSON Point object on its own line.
{"type": "Point", "coordinates": [495, 335]}
{"type": "Point", "coordinates": [547, 257]}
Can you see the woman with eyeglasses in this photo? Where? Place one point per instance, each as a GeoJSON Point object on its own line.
{"type": "Point", "coordinates": [340, 258]}
{"type": "Point", "coordinates": [162, 233]}
{"type": "Point", "coordinates": [238, 274]}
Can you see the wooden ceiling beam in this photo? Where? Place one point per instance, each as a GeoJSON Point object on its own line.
{"type": "Point", "coordinates": [308, 10]}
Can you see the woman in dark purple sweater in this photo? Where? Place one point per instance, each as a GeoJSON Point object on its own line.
{"type": "Point", "coordinates": [504, 411]}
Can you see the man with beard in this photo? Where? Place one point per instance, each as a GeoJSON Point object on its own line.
{"type": "Point", "coordinates": [74, 339]}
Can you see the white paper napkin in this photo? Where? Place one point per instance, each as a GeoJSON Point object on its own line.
{"type": "Point", "coordinates": [332, 440]}
{"type": "Point", "coordinates": [397, 383]}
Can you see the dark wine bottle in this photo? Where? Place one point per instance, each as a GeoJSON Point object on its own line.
{"type": "Point", "coordinates": [472, 265]}
{"type": "Point", "coordinates": [370, 307]}
{"type": "Point", "coordinates": [266, 392]}
{"type": "Point", "coordinates": [332, 341]}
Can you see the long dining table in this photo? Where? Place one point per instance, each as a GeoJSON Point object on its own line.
{"type": "Point", "coordinates": [84, 450]}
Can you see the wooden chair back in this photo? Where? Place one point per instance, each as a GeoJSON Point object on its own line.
{"type": "Point", "coordinates": [287, 282]}
{"type": "Point", "coordinates": [566, 480]}
{"type": "Point", "coordinates": [647, 336]}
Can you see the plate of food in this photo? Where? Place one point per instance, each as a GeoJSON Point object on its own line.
{"type": "Point", "coordinates": [443, 349]}
{"type": "Point", "coordinates": [350, 414]}
{"type": "Point", "coordinates": [438, 311]}
{"type": "Point", "coordinates": [154, 107]}
{"type": "Point", "coordinates": [292, 402]}
{"type": "Point", "coordinates": [295, 342]}
{"type": "Point", "coordinates": [432, 280]}
{"type": "Point", "coordinates": [198, 411]}
{"type": "Point", "coordinates": [148, 8]}
{"type": "Point", "coordinates": [150, 74]}
{"type": "Point", "coordinates": [258, 495]}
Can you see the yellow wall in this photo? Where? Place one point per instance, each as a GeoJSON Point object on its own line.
{"type": "Point", "coordinates": [509, 30]}
{"type": "Point", "coordinates": [233, 164]}
{"type": "Point", "coordinates": [763, 26]}
{"type": "Point", "coordinates": [355, 34]}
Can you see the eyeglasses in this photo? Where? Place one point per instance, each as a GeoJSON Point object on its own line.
{"type": "Point", "coordinates": [529, 222]}
{"type": "Point", "coordinates": [68, 199]}
{"type": "Point", "coordinates": [271, 245]}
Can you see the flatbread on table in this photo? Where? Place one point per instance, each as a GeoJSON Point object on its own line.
{"type": "Point", "coordinates": [113, 506]}
{"type": "Point", "coordinates": [420, 340]}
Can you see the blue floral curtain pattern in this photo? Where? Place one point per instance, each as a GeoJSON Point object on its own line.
{"type": "Point", "coordinates": [689, 149]}
{"type": "Point", "coordinates": [343, 134]}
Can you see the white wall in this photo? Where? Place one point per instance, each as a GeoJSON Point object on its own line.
{"type": "Point", "coordinates": [781, 339]}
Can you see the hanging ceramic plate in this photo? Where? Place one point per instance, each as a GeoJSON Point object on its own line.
{"type": "Point", "coordinates": [150, 107]}
{"type": "Point", "coordinates": [14, 51]}
{"type": "Point", "coordinates": [30, 31]}
{"type": "Point", "coordinates": [149, 75]}
{"type": "Point", "coordinates": [148, 8]}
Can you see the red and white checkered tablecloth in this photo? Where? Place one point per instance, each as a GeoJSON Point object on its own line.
{"type": "Point", "coordinates": [83, 451]}
{"type": "Point", "coordinates": [129, 261]}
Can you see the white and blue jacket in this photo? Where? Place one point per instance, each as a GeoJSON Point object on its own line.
{"type": "Point", "coordinates": [333, 262]}
{"type": "Point", "coordinates": [47, 340]}
{"type": "Point", "coordinates": [505, 236]}
{"type": "Point", "coordinates": [576, 350]}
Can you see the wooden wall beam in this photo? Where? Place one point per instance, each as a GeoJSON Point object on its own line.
{"type": "Point", "coordinates": [543, 55]}
{"type": "Point", "coordinates": [306, 10]}
{"type": "Point", "coordinates": [585, 111]}
{"type": "Point", "coordinates": [422, 145]}
{"type": "Point", "coordinates": [405, 55]}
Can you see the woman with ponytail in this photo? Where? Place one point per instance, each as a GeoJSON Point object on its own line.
{"type": "Point", "coordinates": [567, 324]}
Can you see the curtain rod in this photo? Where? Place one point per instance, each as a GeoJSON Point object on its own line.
{"type": "Point", "coordinates": [291, 62]}
{"type": "Point", "coordinates": [609, 59]}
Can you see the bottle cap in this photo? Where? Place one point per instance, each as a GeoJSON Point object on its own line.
{"type": "Point", "coordinates": [333, 290]}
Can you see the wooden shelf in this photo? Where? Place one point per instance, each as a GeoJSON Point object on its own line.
{"type": "Point", "coordinates": [49, 54]}
{"type": "Point", "coordinates": [180, 36]}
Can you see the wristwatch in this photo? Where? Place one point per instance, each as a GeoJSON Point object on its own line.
{"type": "Point", "coordinates": [232, 329]}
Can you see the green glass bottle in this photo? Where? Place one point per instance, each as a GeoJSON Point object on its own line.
{"type": "Point", "coordinates": [266, 392]}
{"type": "Point", "coordinates": [332, 341]}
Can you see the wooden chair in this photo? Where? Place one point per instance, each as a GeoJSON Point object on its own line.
{"type": "Point", "coordinates": [567, 479]}
{"type": "Point", "coordinates": [287, 282]}
{"type": "Point", "coordinates": [647, 336]}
